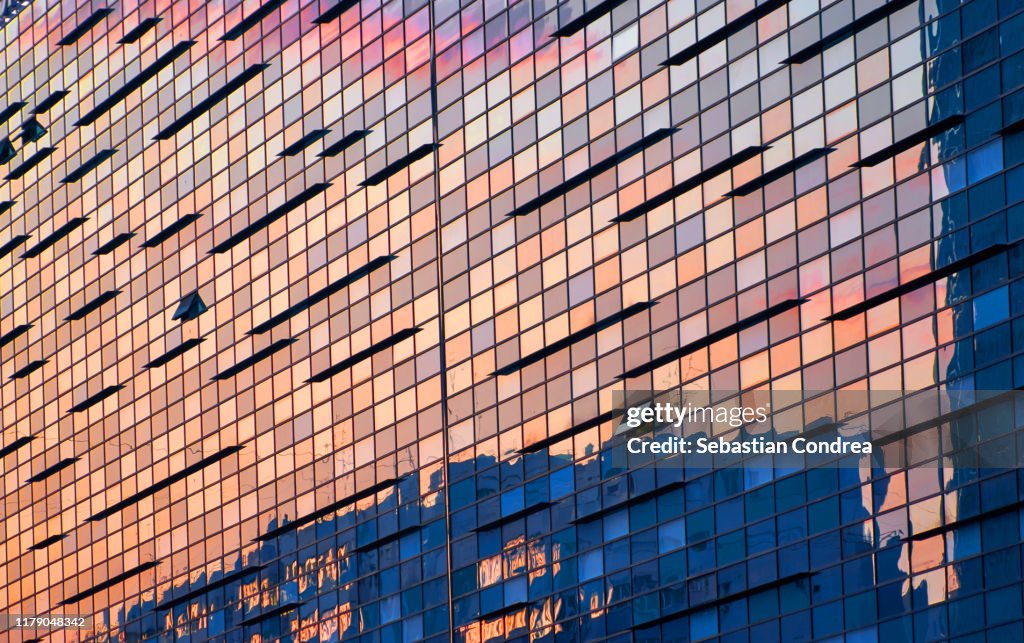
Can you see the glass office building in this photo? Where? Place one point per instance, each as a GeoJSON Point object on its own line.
{"type": "Point", "coordinates": [313, 315]}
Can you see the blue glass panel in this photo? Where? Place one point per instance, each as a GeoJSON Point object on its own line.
{"type": "Point", "coordinates": [390, 609]}
{"type": "Point", "coordinates": [1003, 605]}
{"type": "Point", "coordinates": [561, 482]}
{"type": "Point", "coordinates": [591, 564]}
{"type": "Point", "coordinates": [703, 624]}
{"type": "Point", "coordinates": [671, 535]}
{"type": "Point", "coordinates": [985, 161]}
{"type": "Point", "coordinates": [991, 308]}
{"type": "Point", "coordinates": [616, 524]}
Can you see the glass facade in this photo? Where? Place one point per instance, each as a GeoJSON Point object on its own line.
{"type": "Point", "coordinates": [313, 312]}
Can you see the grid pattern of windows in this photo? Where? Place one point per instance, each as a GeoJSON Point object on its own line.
{"type": "Point", "coordinates": [313, 312]}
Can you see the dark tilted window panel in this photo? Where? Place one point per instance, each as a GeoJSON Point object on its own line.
{"type": "Point", "coordinates": [258, 356]}
{"type": "Point", "coordinates": [31, 162]}
{"type": "Point", "coordinates": [207, 104]}
{"type": "Point", "coordinates": [177, 351]}
{"type": "Point", "coordinates": [190, 307]}
{"type": "Point", "coordinates": [389, 538]}
{"type": "Point", "coordinates": [914, 139]}
{"type": "Point", "coordinates": [7, 151]}
{"type": "Point", "coordinates": [32, 130]}
{"type": "Point", "coordinates": [631, 501]}
{"type": "Point", "coordinates": [849, 29]}
{"type": "Point", "coordinates": [145, 75]}
{"type": "Point", "coordinates": [139, 31]}
{"type": "Point", "coordinates": [6, 205]}
{"type": "Point", "coordinates": [329, 509]}
{"type": "Point", "coordinates": [576, 429]}
{"type": "Point", "coordinates": [11, 110]}
{"type": "Point", "coordinates": [50, 101]}
{"type": "Point", "coordinates": [252, 20]}
{"type": "Point", "coordinates": [15, 241]}
{"type": "Point", "coordinates": [680, 189]}
{"type": "Point", "coordinates": [502, 611]}
{"type": "Point", "coordinates": [420, 152]}
{"type": "Point", "coordinates": [593, 172]}
{"type": "Point", "coordinates": [166, 482]}
{"type": "Point", "coordinates": [964, 521]}
{"type": "Point", "coordinates": [270, 612]}
{"type": "Point", "coordinates": [46, 542]}
{"type": "Point", "coordinates": [14, 333]}
{"type": "Point", "coordinates": [110, 582]}
{"type": "Point", "coordinates": [711, 338]}
{"type": "Point", "coordinates": [572, 338]}
{"type": "Point", "coordinates": [364, 354]}
{"type": "Point", "coordinates": [270, 217]}
{"type": "Point", "coordinates": [296, 148]}
{"type": "Point", "coordinates": [344, 143]}
{"type": "Point", "coordinates": [53, 469]}
{"type": "Point", "coordinates": [335, 12]}
{"type": "Point", "coordinates": [1013, 128]}
{"type": "Point", "coordinates": [14, 446]}
{"type": "Point", "coordinates": [731, 28]}
{"type": "Point", "coordinates": [85, 26]}
{"type": "Point", "coordinates": [918, 282]}
{"type": "Point", "coordinates": [95, 399]}
{"type": "Point", "coordinates": [55, 236]}
{"type": "Point", "coordinates": [171, 230]}
{"type": "Point", "coordinates": [89, 166]}
{"type": "Point", "coordinates": [95, 304]}
{"type": "Point", "coordinates": [512, 517]}
{"type": "Point", "coordinates": [322, 294]}
{"type": "Point", "coordinates": [226, 579]}
{"type": "Point", "coordinates": [590, 15]}
{"type": "Point", "coordinates": [789, 579]}
{"type": "Point", "coordinates": [113, 244]}
{"type": "Point", "coordinates": [28, 369]}
{"type": "Point", "coordinates": [777, 173]}
{"type": "Point", "coordinates": [993, 399]}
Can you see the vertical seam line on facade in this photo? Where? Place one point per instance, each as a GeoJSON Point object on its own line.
{"type": "Point", "coordinates": [435, 132]}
